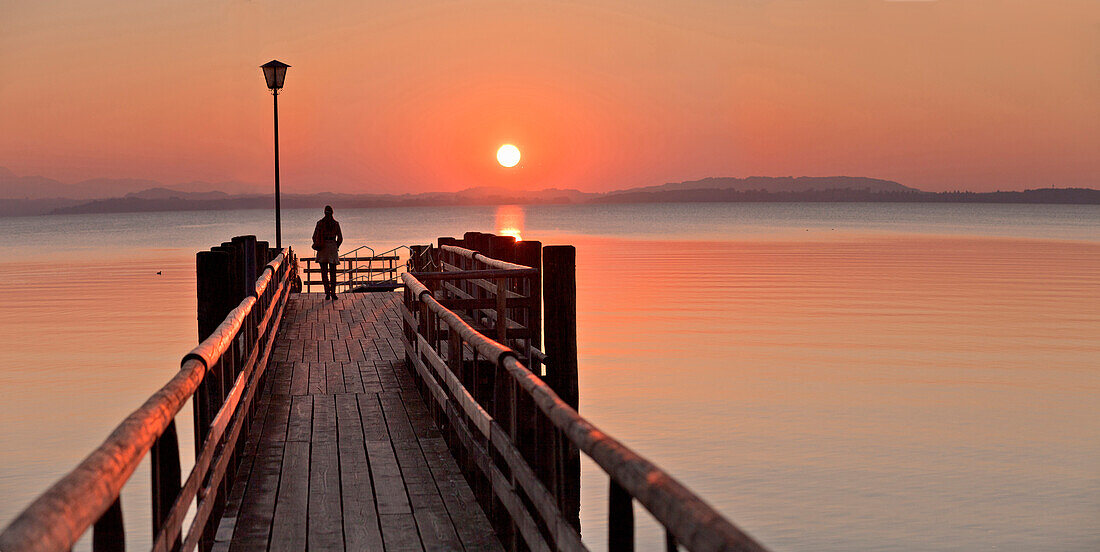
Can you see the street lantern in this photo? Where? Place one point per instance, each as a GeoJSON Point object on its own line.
{"type": "Point", "coordinates": [274, 73]}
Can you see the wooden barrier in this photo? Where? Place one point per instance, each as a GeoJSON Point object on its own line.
{"type": "Point", "coordinates": [516, 436]}
{"type": "Point", "coordinates": [221, 376]}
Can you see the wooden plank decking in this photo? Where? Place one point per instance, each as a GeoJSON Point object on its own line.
{"type": "Point", "coordinates": [344, 455]}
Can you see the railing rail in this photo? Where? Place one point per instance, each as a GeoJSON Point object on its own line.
{"type": "Point", "coordinates": [360, 267]}
{"type": "Point", "coordinates": [510, 431]}
{"type": "Point", "coordinates": [498, 297]}
{"type": "Point", "coordinates": [221, 376]}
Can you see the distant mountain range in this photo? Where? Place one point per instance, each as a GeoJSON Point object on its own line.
{"type": "Point", "coordinates": [35, 195]}
{"type": "Point", "coordinates": [13, 186]}
{"type": "Point", "coordinates": [776, 184]}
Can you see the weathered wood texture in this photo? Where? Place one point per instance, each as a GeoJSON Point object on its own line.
{"type": "Point", "coordinates": [345, 455]}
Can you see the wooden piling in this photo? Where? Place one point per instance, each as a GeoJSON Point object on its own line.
{"type": "Point", "coordinates": [502, 248]}
{"type": "Point", "coordinates": [470, 240]}
{"type": "Point", "coordinates": [220, 279]}
{"type": "Point", "coordinates": [262, 256]}
{"type": "Point", "coordinates": [560, 303]}
{"type": "Point", "coordinates": [247, 245]}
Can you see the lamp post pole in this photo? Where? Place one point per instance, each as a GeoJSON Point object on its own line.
{"type": "Point", "coordinates": [274, 73]}
{"type": "Point", "coordinates": [278, 210]}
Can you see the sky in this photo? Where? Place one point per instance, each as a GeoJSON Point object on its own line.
{"type": "Point", "coordinates": [394, 97]}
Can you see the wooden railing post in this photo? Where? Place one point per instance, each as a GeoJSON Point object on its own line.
{"type": "Point", "coordinates": [439, 249]}
{"type": "Point", "coordinates": [108, 533]}
{"type": "Point", "coordinates": [560, 300]}
{"type": "Point", "coordinates": [416, 255]}
{"type": "Point", "coordinates": [502, 310]}
{"type": "Point", "coordinates": [164, 459]}
{"type": "Point", "coordinates": [529, 253]}
{"type": "Point", "coordinates": [620, 519]}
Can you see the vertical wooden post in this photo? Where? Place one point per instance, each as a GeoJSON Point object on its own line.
{"type": "Point", "coordinates": [164, 459]}
{"type": "Point", "coordinates": [502, 310]}
{"type": "Point", "coordinates": [108, 533]}
{"type": "Point", "coordinates": [420, 255]}
{"type": "Point", "coordinates": [447, 240]}
{"type": "Point", "coordinates": [213, 278]}
{"type": "Point", "coordinates": [410, 336]}
{"type": "Point", "coordinates": [483, 242]}
{"type": "Point", "coordinates": [560, 300]}
{"type": "Point", "coordinates": [502, 248]}
{"type": "Point", "coordinates": [235, 279]}
{"type": "Point", "coordinates": [670, 542]}
{"type": "Point", "coordinates": [503, 412]}
{"type": "Point", "coordinates": [470, 240]}
{"type": "Point", "coordinates": [247, 245]}
{"type": "Point", "coordinates": [439, 256]}
{"type": "Point", "coordinates": [262, 257]}
{"type": "Point", "coordinates": [620, 520]}
{"type": "Point", "coordinates": [529, 253]}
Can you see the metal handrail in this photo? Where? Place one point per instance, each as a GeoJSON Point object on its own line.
{"type": "Point", "coordinates": [368, 279]}
{"type": "Point", "coordinates": [353, 269]}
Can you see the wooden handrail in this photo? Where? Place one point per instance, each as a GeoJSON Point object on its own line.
{"type": "Point", "coordinates": [688, 520]}
{"type": "Point", "coordinates": [477, 256]}
{"type": "Point", "coordinates": [477, 274]}
{"type": "Point", "coordinates": [58, 517]}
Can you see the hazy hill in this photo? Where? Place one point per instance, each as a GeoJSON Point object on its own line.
{"type": "Point", "coordinates": [775, 184]}
{"type": "Point", "coordinates": [34, 187]}
{"type": "Point", "coordinates": [162, 199]}
{"type": "Point", "coordinates": [165, 193]}
{"type": "Point", "coordinates": [33, 195]}
{"type": "Point", "coordinates": [28, 207]}
{"type": "Point", "coordinates": [13, 186]}
{"type": "Point", "coordinates": [1078, 196]}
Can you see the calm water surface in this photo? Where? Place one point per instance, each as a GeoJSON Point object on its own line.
{"type": "Point", "coordinates": [832, 377]}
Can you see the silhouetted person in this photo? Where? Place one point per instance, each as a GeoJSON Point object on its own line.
{"type": "Point", "coordinates": [326, 240]}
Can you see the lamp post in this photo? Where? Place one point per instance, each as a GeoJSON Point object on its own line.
{"type": "Point", "coordinates": [274, 73]}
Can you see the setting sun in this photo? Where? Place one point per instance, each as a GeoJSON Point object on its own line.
{"type": "Point", "coordinates": [508, 155]}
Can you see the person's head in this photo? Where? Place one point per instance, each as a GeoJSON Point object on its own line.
{"type": "Point", "coordinates": [328, 210]}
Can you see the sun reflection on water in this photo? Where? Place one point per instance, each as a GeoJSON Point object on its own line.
{"type": "Point", "coordinates": [509, 221]}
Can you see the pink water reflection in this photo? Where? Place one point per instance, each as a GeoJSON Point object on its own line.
{"type": "Point", "coordinates": [509, 221]}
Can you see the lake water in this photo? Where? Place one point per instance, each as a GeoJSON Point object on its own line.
{"type": "Point", "coordinates": [830, 376]}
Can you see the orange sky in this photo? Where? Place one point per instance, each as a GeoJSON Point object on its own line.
{"type": "Point", "coordinates": [599, 95]}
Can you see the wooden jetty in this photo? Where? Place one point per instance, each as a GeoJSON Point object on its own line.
{"type": "Point", "coordinates": [440, 417]}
